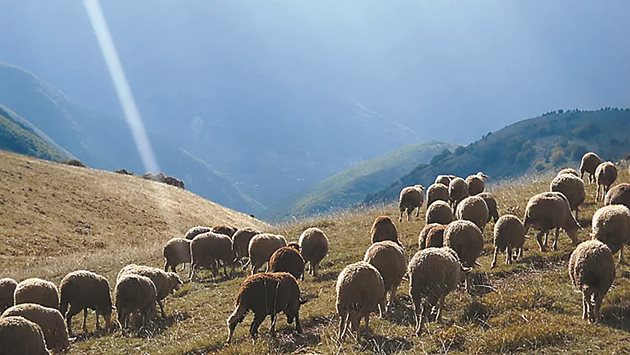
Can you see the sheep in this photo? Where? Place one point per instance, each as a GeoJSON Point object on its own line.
{"type": "Point", "coordinates": [314, 248]}
{"type": "Point", "coordinates": [611, 226]}
{"type": "Point", "coordinates": [195, 231]}
{"type": "Point", "coordinates": [465, 238]}
{"type": "Point", "coordinates": [569, 171]}
{"type": "Point", "coordinates": [207, 249]}
{"type": "Point", "coordinates": [384, 228]}
{"type": "Point", "coordinates": [618, 195]}
{"type": "Point", "coordinates": [287, 259]}
{"type": "Point", "coordinates": [21, 336]}
{"type": "Point", "coordinates": [433, 274]}
{"type": "Point", "coordinates": [474, 209]}
{"type": "Point", "coordinates": [176, 251]}
{"type": "Point", "coordinates": [589, 164]}
{"type": "Point", "coordinates": [509, 234]}
{"type": "Point", "coordinates": [605, 175]}
{"type": "Point", "coordinates": [437, 192]}
{"type": "Point", "coordinates": [390, 261]}
{"type": "Point", "coordinates": [592, 271]}
{"type": "Point", "coordinates": [549, 210]}
{"type": "Point", "coordinates": [444, 179]}
{"type": "Point", "coordinates": [223, 229]}
{"type": "Point", "coordinates": [38, 291]}
{"type": "Point", "coordinates": [81, 290]}
{"type": "Point", "coordinates": [476, 183]}
{"type": "Point", "coordinates": [439, 212]}
{"type": "Point", "coordinates": [49, 320]}
{"type": "Point", "coordinates": [572, 187]}
{"type": "Point", "coordinates": [411, 198]}
{"type": "Point", "coordinates": [491, 202]}
{"type": "Point", "coordinates": [134, 293]}
{"type": "Point", "coordinates": [165, 282]}
{"type": "Point", "coordinates": [266, 294]}
{"type": "Point", "coordinates": [432, 235]}
{"type": "Point", "coordinates": [240, 241]}
{"type": "Point", "coordinates": [7, 288]}
{"type": "Point", "coordinates": [360, 291]}
{"type": "Point", "coordinates": [457, 191]}
{"type": "Point", "coordinates": [261, 247]}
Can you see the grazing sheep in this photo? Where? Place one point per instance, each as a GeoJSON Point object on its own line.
{"type": "Point", "coordinates": [38, 291]}
{"type": "Point", "coordinates": [314, 248]}
{"type": "Point", "coordinates": [165, 282]}
{"type": "Point", "coordinates": [194, 231]}
{"type": "Point", "coordinates": [589, 163]}
{"type": "Point", "coordinates": [491, 202]}
{"type": "Point", "coordinates": [223, 229]}
{"type": "Point", "coordinates": [240, 241]}
{"type": "Point", "coordinates": [549, 210]}
{"type": "Point", "coordinates": [457, 191]}
{"type": "Point", "coordinates": [287, 259]}
{"type": "Point", "coordinates": [611, 226]}
{"type": "Point", "coordinates": [474, 209]}
{"type": "Point", "coordinates": [465, 238]}
{"type": "Point", "coordinates": [266, 294]}
{"type": "Point", "coordinates": [439, 212]}
{"type": "Point", "coordinates": [135, 293]}
{"type": "Point", "coordinates": [384, 228]}
{"type": "Point", "coordinates": [437, 192]}
{"type": "Point", "coordinates": [433, 274]}
{"type": "Point", "coordinates": [360, 291]}
{"type": "Point", "coordinates": [49, 320]}
{"type": "Point", "coordinates": [605, 175]}
{"type": "Point", "coordinates": [81, 290]}
{"type": "Point", "coordinates": [509, 234]}
{"type": "Point", "coordinates": [432, 235]}
{"type": "Point", "coordinates": [207, 250]}
{"type": "Point", "coordinates": [476, 183]}
{"type": "Point", "coordinates": [7, 288]}
{"type": "Point", "coordinates": [261, 247]}
{"type": "Point", "coordinates": [592, 271]}
{"type": "Point", "coordinates": [618, 195]}
{"type": "Point", "coordinates": [390, 261]}
{"type": "Point", "coordinates": [444, 179]}
{"type": "Point", "coordinates": [176, 251]}
{"type": "Point", "coordinates": [411, 198]}
{"type": "Point", "coordinates": [569, 171]}
{"type": "Point", "coordinates": [21, 336]}
{"type": "Point", "coordinates": [572, 187]}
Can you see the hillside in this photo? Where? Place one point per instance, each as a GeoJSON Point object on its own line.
{"type": "Point", "coordinates": [349, 187]}
{"type": "Point", "coordinates": [526, 307]}
{"type": "Point", "coordinates": [553, 140]}
{"type": "Point", "coordinates": [105, 142]}
{"type": "Point", "coordinates": [20, 136]}
{"type": "Point", "coordinates": [56, 217]}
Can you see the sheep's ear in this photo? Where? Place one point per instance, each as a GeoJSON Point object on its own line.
{"type": "Point", "coordinates": [302, 301]}
{"type": "Point", "coordinates": [466, 269]}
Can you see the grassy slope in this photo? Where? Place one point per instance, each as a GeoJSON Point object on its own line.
{"type": "Point", "coordinates": [19, 136]}
{"type": "Point", "coordinates": [352, 185]}
{"type": "Point", "coordinates": [531, 306]}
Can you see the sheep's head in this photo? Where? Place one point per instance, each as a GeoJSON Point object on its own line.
{"type": "Point", "coordinates": [294, 245]}
{"type": "Point", "coordinates": [482, 175]}
{"type": "Point", "coordinates": [174, 281]}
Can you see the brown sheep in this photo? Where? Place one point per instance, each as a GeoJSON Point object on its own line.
{"type": "Point", "coordinates": [618, 195]}
{"type": "Point", "coordinates": [314, 248]}
{"type": "Point", "coordinates": [225, 230]}
{"type": "Point", "coordinates": [176, 251]}
{"type": "Point", "coordinates": [287, 259]}
{"type": "Point", "coordinates": [605, 175]}
{"type": "Point", "coordinates": [384, 228]}
{"type": "Point", "coordinates": [266, 294]}
{"type": "Point", "coordinates": [491, 202]}
{"type": "Point", "coordinates": [81, 290]}
{"type": "Point", "coordinates": [432, 235]}
{"type": "Point", "coordinates": [195, 231]}
{"type": "Point", "coordinates": [589, 164]}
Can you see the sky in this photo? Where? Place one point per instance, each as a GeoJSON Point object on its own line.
{"type": "Point", "coordinates": [447, 70]}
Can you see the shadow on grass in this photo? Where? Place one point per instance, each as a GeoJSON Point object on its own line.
{"type": "Point", "coordinates": [325, 276]}
{"type": "Point", "coordinates": [379, 344]}
{"type": "Point", "coordinates": [157, 326]}
{"type": "Point", "coordinates": [480, 284]}
{"type": "Point", "coordinates": [617, 315]}
{"type": "Point", "coordinates": [477, 313]}
{"type": "Point", "coordinates": [402, 312]}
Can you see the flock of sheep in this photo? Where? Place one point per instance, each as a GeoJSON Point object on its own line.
{"type": "Point", "coordinates": [37, 315]}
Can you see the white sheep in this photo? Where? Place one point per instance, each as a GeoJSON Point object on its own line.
{"type": "Point", "coordinates": [314, 248]}
{"type": "Point", "coordinates": [21, 336]}
{"type": "Point", "coordinates": [360, 291]}
{"type": "Point", "coordinates": [240, 241]}
{"type": "Point", "coordinates": [611, 226]}
{"type": "Point", "coordinates": [432, 235]}
{"type": "Point", "coordinates": [176, 251]}
{"type": "Point", "coordinates": [384, 228]}
{"type": "Point", "coordinates": [444, 179]}
{"type": "Point", "coordinates": [437, 192]}
{"type": "Point", "coordinates": [592, 271]}
{"type": "Point", "coordinates": [7, 288]}
{"type": "Point", "coordinates": [491, 202]}
{"type": "Point", "coordinates": [466, 239]}
{"type": "Point", "coordinates": [38, 291]}
{"type": "Point", "coordinates": [572, 187]}
{"type": "Point", "coordinates": [589, 163]}
{"type": "Point", "coordinates": [82, 290]}
{"type": "Point", "coordinates": [390, 260]}
{"type": "Point", "coordinates": [439, 212]}
{"type": "Point", "coordinates": [605, 175]}
{"type": "Point", "coordinates": [49, 320]}
{"type": "Point", "coordinates": [509, 235]}
{"type": "Point", "coordinates": [476, 183]}
{"type": "Point", "coordinates": [165, 282]}
{"type": "Point", "coordinates": [195, 231]}
{"type": "Point", "coordinates": [209, 250]}
{"type": "Point", "coordinates": [549, 210]}
{"type": "Point", "coordinates": [474, 209]}
{"type": "Point", "coordinates": [569, 171]}
{"type": "Point", "coordinates": [135, 293]}
{"type": "Point", "coordinates": [618, 195]}
{"type": "Point", "coordinates": [262, 246]}
{"type": "Point", "coordinates": [457, 191]}
{"type": "Point", "coordinates": [411, 198]}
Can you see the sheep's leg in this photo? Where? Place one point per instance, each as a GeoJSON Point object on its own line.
{"type": "Point", "coordinates": [166, 265]}
{"type": "Point", "coordinates": [422, 317]}
{"type": "Point", "coordinates": [597, 298]}
{"type": "Point", "coordinates": [586, 303]}
{"type": "Point", "coordinates": [159, 302]}
{"type": "Point", "coordinates": [494, 259]}
{"type": "Point", "coordinates": [298, 325]}
{"type": "Point", "coordinates": [577, 211]}
{"type": "Point", "coordinates": [343, 325]}
{"type": "Point", "coordinates": [355, 323]}
{"type": "Point", "coordinates": [401, 214]}
{"type": "Point", "coordinates": [438, 313]}
{"type": "Point", "coordinates": [555, 241]}
{"type": "Point", "coordinates": [71, 312]}
{"type": "Point", "coordinates": [253, 329]}
{"type": "Point", "coordinates": [540, 240]}
{"type": "Point", "coordinates": [191, 274]}
{"type": "Point", "coordinates": [409, 212]}
{"type": "Point", "coordinates": [273, 325]}
{"type": "Point", "coordinates": [621, 261]}
{"type": "Point", "coordinates": [508, 255]}
{"type": "Point", "coordinates": [85, 330]}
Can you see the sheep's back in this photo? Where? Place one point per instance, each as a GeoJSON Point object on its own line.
{"type": "Point", "coordinates": [389, 259]}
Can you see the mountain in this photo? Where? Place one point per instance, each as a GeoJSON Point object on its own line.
{"type": "Point", "coordinates": [352, 185]}
{"type": "Point", "coordinates": [20, 136]}
{"type": "Point", "coordinates": [553, 140]}
{"type": "Point", "coordinates": [105, 142]}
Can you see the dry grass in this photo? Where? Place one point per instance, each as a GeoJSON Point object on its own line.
{"type": "Point", "coordinates": [526, 307]}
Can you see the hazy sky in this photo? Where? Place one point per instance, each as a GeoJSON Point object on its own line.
{"type": "Point", "coordinates": [449, 70]}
